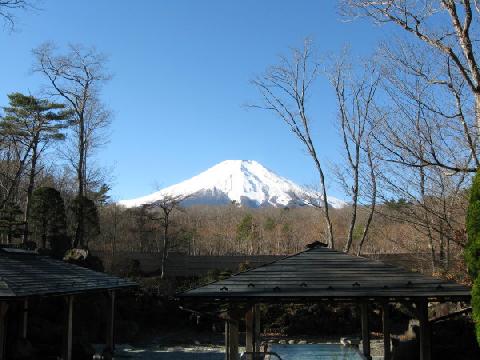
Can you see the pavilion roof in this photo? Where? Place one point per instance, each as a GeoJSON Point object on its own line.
{"type": "Point", "coordinates": [322, 273]}
{"type": "Point", "coordinates": [24, 274]}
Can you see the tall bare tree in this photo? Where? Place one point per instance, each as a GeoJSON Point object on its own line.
{"type": "Point", "coordinates": [357, 115]}
{"type": "Point", "coordinates": [284, 89]}
{"type": "Point", "coordinates": [76, 77]}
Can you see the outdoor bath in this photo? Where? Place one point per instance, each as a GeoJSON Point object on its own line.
{"type": "Point", "coordinates": [316, 352]}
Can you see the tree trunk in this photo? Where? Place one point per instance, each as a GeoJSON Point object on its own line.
{"type": "Point", "coordinates": [31, 186]}
{"type": "Point", "coordinates": [477, 113]}
{"type": "Point", "coordinates": [80, 231]}
{"type": "Point", "coordinates": [374, 200]}
{"type": "Point", "coordinates": [331, 242]}
{"type": "Point", "coordinates": [165, 249]}
{"type": "Point", "coordinates": [353, 219]}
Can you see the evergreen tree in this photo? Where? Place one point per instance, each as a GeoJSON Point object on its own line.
{"type": "Point", "coordinates": [11, 223]}
{"type": "Point", "coordinates": [49, 220]}
{"type": "Point", "coordinates": [33, 123]}
{"type": "Point", "coordinates": [247, 232]}
{"type": "Point", "coordinates": [472, 251]}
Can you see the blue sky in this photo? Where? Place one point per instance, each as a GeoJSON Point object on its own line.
{"type": "Point", "coordinates": [181, 77]}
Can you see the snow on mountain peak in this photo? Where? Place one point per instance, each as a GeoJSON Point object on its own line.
{"type": "Point", "coordinates": [246, 182]}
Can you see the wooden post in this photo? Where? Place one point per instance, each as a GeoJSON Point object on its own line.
{"type": "Point", "coordinates": [3, 327]}
{"type": "Point", "coordinates": [387, 352]}
{"type": "Point", "coordinates": [425, 330]}
{"type": "Point", "coordinates": [256, 337]}
{"type": "Point", "coordinates": [227, 340]}
{"type": "Point", "coordinates": [67, 349]}
{"type": "Point", "coordinates": [250, 330]}
{"type": "Point", "coordinates": [110, 343]}
{"type": "Point", "coordinates": [365, 330]}
{"type": "Point", "coordinates": [24, 319]}
{"type": "Point", "coordinates": [233, 340]}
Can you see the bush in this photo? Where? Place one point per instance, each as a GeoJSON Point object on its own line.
{"type": "Point", "coordinates": [472, 251]}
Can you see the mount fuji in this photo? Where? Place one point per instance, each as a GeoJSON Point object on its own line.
{"type": "Point", "coordinates": [246, 182]}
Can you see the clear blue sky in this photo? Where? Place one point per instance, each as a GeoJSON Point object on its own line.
{"type": "Point", "coordinates": [181, 75]}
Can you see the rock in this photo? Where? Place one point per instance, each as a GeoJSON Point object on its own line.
{"type": "Point", "coordinates": [282, 342]}
{"type": "Point", "coordinates": [291, 342]}
{"type": "Point", "coordinates": [346, 341]}
{"type": "Point", "coordinates": [302, 342]}
{"type": "Point", "coordinates": [76, 255]}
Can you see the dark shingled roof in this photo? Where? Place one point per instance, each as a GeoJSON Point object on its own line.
{"type": "Point", "coordinates": [324, 273]}
{"type": "Point", "coordinates": [24, 274]}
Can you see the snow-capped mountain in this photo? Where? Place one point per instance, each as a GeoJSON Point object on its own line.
{"type": "Point", "coordinates": [246, 182]}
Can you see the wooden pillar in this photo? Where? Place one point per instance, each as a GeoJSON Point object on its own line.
{"type": "Point", "coordinates": [256, 315]}
{"type": "Point", "coordinates": [68, 336]}
{"type": "Point", "coordinates": [232, 343]}
{"type": "Point", "coordinates": [227, 340]}
{"type": "Point", "coordinates": [365, 330]}
{"type": "Point", "coordinates": [387, 352]}
{"type": "Point", "coordinates": [250, 330]}
{"type": "Point", "coordinates": [3, 328]}
{"type": "Point", "coordinates": [425, 330]}
{"type": "Point", "coordinates": [24, 319]}
{"type": "Point", "coordinates": [110, 343]}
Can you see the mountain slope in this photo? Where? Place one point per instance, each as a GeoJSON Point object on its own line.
{"type": "Point", "coordinates": [246, 182]}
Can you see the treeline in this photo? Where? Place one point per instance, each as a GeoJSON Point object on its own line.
{"type": "Point", "coordinates": [232, 230]}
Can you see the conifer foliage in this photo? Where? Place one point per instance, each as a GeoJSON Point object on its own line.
{"type": "Point", "coordinates": [472, 251]}
{"type": "Point", "coordinates": [49, 220]}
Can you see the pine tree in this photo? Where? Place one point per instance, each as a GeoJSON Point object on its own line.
{"type": "Point", "coordinates": [32, 123]}
{"type": "Point", "coordinates": [472, 251]}
{"type": "Point", "coordinates": [11, 223]}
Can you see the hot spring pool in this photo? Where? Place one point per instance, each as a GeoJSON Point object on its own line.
{"type": "Point", "coordinates": [316, 352]}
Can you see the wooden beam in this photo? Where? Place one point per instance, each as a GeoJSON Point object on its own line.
{"type": "Point", "coordinates": [387, 352]}
{"type": "Point", "coordinates": [365, 330]}
{"type": "Point", "coordinates": [68, 335]}
{"type": "Point", "coordinates": [110, 343]}
{"type": "Point", "coordinates": [425, 330]}
{"type": "Point", "coordinates": [3, 328]}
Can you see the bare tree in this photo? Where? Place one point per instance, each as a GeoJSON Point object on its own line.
{"type": "Point", "coordinates": [445, 28]}
{"type": "Point", "coordinates": [447, 129]}
{"type": "Point", "coordinates": [356, 117]}
{"type": "Point", "coordinates": [76, 77]}
{"type": "Point", "coordinates": [285, 89]}
{"type": "Point", "coordinates": [9, 7]}
{"type": "Point", "coordinates": [161, 211]}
